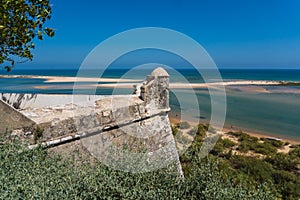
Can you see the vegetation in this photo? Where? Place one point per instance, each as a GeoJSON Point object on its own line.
{"type": "Point", "coordinates": [21, 21]}
{"type": "Point", "coordinates": [274, 170]}
{"type": "Point", "coordinates": [295, 153]}
{"type": "Point", "coordinates": [179, 126]}
{"type": "Point", "coordinates": [221, 145]}
{"type": "Point", "coordinates": [37, 133]}
{"type": "Point", "coordinates": [250, 143]}
{"type": "Point", "coordinates": [223, 174]}
{"type": "Point", "coordinates": [275, 143]}
{"type": "Point", "coordinates": [33, 174]}
{"type": "Point", "coordinates": [288, 83]}
{"type": "Point", "coordinates": [175, 130]}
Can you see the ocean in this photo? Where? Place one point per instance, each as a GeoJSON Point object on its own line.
{"type": "Point", "coordinates": [276, 112]}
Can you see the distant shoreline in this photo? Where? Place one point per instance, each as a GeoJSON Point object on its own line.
{"type": "Point", "coordinates": [176, 85]}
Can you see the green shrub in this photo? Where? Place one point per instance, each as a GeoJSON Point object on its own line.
{"type": "Point", "coordinates": [221, 145]}
{"type": "Point", "coordinates": [248, 142]}
{"type": "Point", "coordinates": [218, 149]}
{"type": "Point", "coordinates": [247, 138]}
{"type": "Point", "coordinates": [227, 143]}
{"type": "Point", "coordinates": [236, 134]}
{"type": "Point", "coordinates": [286, 183]}
{"type": "Point", "coordinates": [275, 143]}
{"type": "Point", "coordinates": [32, 174]}
{"type": "Point", "coordinates": [258, 169]}
{"type": "Point", "coordinates": [282, 161]}
{"type": "Point", "coordinates": [244, 148]}
{"type": "Point", "coordinates": [263, 148]}
{"type": "Point", "coordinates": [243, 136]}
{"type": "Point", "coordinates": [37, 133]}
{"type": "Point", "coordinates": [174, 130]}
{"type": "Point", "coordinates": [286, 143]}
{"type": "Point", "coordinates": [295, 152]}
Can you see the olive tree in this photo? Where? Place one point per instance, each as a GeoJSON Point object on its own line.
{"type": "Point", "coordinates": [21, 21]}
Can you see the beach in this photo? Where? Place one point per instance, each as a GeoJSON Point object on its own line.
{"type": "Point", "coordinates": [66, 79]}
{"type": "Point", "coordinates": [89, 82]}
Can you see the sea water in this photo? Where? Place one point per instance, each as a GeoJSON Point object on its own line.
{"type": "Point", "coordinates": [276, 113]}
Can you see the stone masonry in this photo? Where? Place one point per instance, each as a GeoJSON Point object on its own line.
{"type": "Point", "coordinates": [12, 119]}
{"type": "Point", "coordinates": [117, 130]}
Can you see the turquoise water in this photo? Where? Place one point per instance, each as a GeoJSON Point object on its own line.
{"type": "Point", "coordinates": [276, 112]}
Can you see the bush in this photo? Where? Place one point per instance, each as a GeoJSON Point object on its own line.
{"type": "Point", "coordinates": [227, 143]}
{"type": "Point", "coordinates": [275, 143]}
{"type": "Point", "coordinates": [32, 174]}
{"type": "Point", "coordinates": [295, 152]}
{"type": "Point", "coordinates": [221, 145]}
{"type": "Point", "coordinates": [207, 181]}
{"type": "Point", "coordinates": [286, 183]}
{"type": "Point", "coordinates": [283, 162]}
{"type": "Point", "coordinates": [258, 169]}
{"type": "Point", "coordinates": [174, 130]}
{"type": "Point", "coordinates": [263, 148]}
{"type": "Point", "coordinates": [244, 148]}
{"type": "Point", "coordinates": [37, 133]}
{"type": "Point", "coordinates": [248, 142]}
{"type": "Point", "coordinates": [236, 134]}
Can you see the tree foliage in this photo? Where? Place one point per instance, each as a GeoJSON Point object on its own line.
{"type": "Point", "coordinates": [21, 21]}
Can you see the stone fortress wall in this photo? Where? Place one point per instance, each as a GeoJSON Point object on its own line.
{"type": "Point", "coordinates": [106, 125]}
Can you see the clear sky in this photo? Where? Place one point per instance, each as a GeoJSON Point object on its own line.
{"type": "Point", "coordinates": [236, 33]}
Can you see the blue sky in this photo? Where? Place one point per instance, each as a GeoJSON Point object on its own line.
{"type": "Point", "coordinates": [236, 33]}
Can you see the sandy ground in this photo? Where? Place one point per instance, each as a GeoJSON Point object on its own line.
{"type": "Point", "coordinates": [65, 79]}
{"type": "Point", "coordinates": [82, 79]}
{"type": "Point", "coordinates": [255, 86]}
{"type": "Point", "coordinates": [61, 79]}
{"type": "Point", "coordinates": [220, 84]}
{"type": "Point", "coordinates": [248, 88]}
{"type": "Point", "coordinates": [251, 85]}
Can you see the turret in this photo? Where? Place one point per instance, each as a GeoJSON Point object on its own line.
{"type": "Point", "coordinates": [155, 91]}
